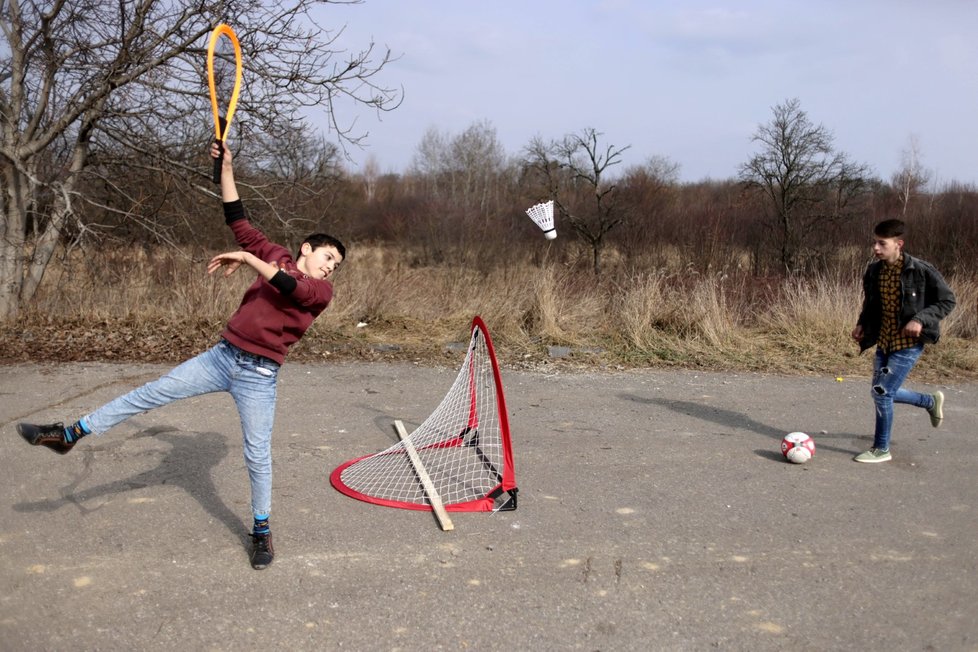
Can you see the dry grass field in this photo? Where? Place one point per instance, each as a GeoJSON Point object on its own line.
{"type": "Point", "coordinates": [161, 306]}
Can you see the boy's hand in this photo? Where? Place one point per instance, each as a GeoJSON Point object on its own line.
{"type": "Point", "coordinates": [857, 333]}
{"type": "Point", "coordinates": [913, 328]}
{"type": "Point", "coordinates": [231, 260]}
{"type": "Point", "coordinates": [229, 191]}
{"type": "Point", "coordinates": [216, 153]}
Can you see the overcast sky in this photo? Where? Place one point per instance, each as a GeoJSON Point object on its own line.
{"type": "Point", "coordinates": [690, 80]}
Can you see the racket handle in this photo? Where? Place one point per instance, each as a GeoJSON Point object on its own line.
{"type": "Point", "coordinates": [219, 161]}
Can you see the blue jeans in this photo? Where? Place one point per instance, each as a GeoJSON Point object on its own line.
{"type": "Point", "coordinates": [889, 372]}
{"type": "Point", "coordinates": [251, 381]}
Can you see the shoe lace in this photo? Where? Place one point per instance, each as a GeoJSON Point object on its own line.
{"type": "Point", "coordinates": [261, 542]}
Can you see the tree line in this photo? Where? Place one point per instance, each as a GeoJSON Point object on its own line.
{"type": "Point", "coordinates": [105, 127]}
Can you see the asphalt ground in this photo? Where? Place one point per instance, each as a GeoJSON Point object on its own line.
{"type": "Point", "coordinates": [655, 512]}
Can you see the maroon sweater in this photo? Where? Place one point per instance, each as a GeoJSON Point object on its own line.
{"type": "Point", "coordinates": [272, 315]}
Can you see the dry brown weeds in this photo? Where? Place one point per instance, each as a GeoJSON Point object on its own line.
{"type": "Point", "coordinates": [162, 307]}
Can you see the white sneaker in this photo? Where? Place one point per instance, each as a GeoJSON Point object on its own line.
{"type": "Point", "coordinates": [874, 455]}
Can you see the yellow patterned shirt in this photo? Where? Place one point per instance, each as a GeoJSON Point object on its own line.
{"type": "Point", "coordinates": [891, 339]}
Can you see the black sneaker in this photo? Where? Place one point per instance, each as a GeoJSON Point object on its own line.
{"type": "Point", "coordinates": [261, 552]}
{"type": "Point", "coordinates": [52, 436]}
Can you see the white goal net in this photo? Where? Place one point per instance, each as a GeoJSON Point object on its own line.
{"type": "Point", "coordinates": [463, 448]}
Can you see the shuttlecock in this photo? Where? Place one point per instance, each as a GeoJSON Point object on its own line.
{"type": "Point", "coordinates": [543, 216]}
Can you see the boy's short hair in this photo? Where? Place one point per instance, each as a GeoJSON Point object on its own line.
{"type": "Point", "coordinates": [317, 240]}
{"type": "Point", "coordinates": [890, 229]}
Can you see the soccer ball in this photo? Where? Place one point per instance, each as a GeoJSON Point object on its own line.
{"type": "Point", "coordinates": [797, 447]}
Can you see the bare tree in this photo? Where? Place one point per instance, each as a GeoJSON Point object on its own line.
{"type": "Point", "coordinates": [477, 161]}
{"type": "Point", "coordinates": [575, 172]}
{"type": "Point", "coordinates": [370, 173]}
{"type": "Point", "coordinates": [95, 95]}
{"type": "Point", "coordinates": [463, 169]}
{"type": "Point", "coordinates": [808, 184]}
{"type": "Point", "coordinates": [429, 160]}
{"type": "Point", "coordinates": [648, 192]}
{"type": "Point", "coordinates": [911, 179]}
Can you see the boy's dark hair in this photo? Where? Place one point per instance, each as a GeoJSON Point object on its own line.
{"type": "Point", "coordinates": [317, 240]}
{"type": "Point", "coordinates": [890, 229]}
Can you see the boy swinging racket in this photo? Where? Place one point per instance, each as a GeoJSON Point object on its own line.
{"type": "Point", "coordinates": [288, 293]}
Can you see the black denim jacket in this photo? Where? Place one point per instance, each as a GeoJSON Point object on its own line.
{"type": "Point", "coordinates": [924, 297]}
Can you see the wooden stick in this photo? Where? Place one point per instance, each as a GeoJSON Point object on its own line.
{"type": "Point", "coordinates": [429, 487]}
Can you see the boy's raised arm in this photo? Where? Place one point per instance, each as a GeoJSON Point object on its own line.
{"type": "Point", "coordinates": [229, 191]}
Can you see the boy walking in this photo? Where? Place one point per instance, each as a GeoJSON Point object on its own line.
{"type": "Point", "coordinates": [904, 301]}
{"type": "Point", "coordinates": [288, 294]}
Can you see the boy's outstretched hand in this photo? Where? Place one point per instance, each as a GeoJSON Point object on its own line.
{"type": "Point", "coordinates": [232, 260]}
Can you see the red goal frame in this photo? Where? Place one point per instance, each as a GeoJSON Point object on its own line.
{"type": "Point", "coordinates": [503, 495]}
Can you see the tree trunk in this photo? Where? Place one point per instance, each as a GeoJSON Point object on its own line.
{"type": "Point", "coordinates": [44, 249]}
{"type": "Point", "coordinates": [787, 245]}
{"type": "Point", "coordinates": [11, 262]}
{"type": "Point", "coordinates": [47, 241]}
{"type": "Point", "coordinates": [13, 193]}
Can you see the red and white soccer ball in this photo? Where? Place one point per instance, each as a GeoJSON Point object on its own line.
{"type": "Point", "coordinates": [797, 447]}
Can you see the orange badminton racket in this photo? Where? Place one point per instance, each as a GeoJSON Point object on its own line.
{"type": "Point", "coordinates": [219, 80]}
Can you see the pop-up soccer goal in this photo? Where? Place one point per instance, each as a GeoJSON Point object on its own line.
{"type": "Point", "coordinates": [459, 459]}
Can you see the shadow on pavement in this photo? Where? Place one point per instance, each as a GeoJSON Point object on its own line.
{"type": "Point", "coordinates": [188, 464]}
{"type": "Point", "coordinates": [736, 420]}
